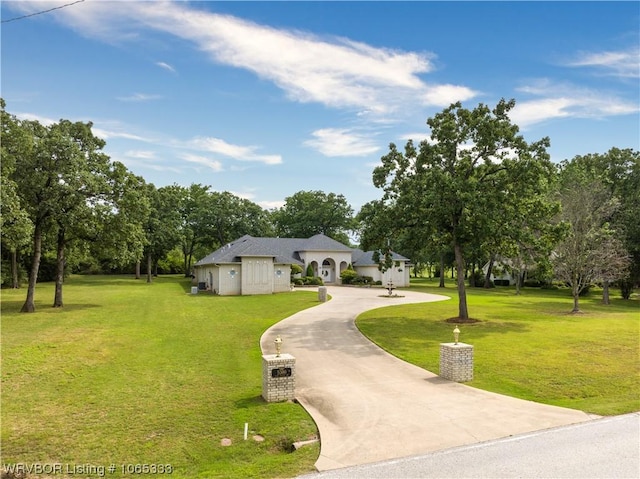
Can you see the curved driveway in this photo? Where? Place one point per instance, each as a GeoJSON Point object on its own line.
{"type": "Point", "coordinates": [371, 406]}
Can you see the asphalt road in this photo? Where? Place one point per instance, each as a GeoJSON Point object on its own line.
{"type": "Point", "coordinates": [601, 448]}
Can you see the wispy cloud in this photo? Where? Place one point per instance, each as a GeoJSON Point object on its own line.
{"type": "Point", "coordinates": [622, 63]}
{"type": "Point", "coordinates": [43, 120]}
{"type": "Point", "coordinates": [215, 165]}
{"type": "Point", "coordinates": [166, 66]}
{"type": "Point", "coordinates": [333, 71]}
{"type": "Point", "coordinates": [139, 97]}
{"type": "Point", "coordinates": [560, 100]}
{"type": "Point", "coordinates": [141, 154]}
{"type": "Point", "coordinates": [341, 142]}
{"type": "Point", "coordinates": [237, 152]}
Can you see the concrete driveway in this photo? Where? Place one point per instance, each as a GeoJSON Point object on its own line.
{"type": "Point", "coordinates": [370, 406]}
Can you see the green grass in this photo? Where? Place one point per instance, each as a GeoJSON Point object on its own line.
{"type": "Point", "coordinates": [134, 373]}
{"type": "Point", "coordinates": [526, 346]}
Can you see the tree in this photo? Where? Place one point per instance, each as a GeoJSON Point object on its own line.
{"type": "Point", "coordinates": [587, 253]}
{"type": "Point", "coordinates": [82, 192]}
{"type": "Point", "coordinates": [458, 185]}
{"type": "Point", "coordinates": [307, 213]}
{"type": "Point", "coordinates": [616, 178]}
{"type": "Point", "coordinates": [36, 176]}
{"type": "Point", "coordinates": [15, 225]}
{"type": "Point", "coordinates": [162, 224]}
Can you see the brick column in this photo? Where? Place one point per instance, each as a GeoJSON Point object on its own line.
{"type": "Point", "coordinates": [456, 361]}
{"type": "Point", "coordinates": [278, 377]}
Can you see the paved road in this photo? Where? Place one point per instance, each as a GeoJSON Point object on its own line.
{"type": "Point", "coordinates": [370, 406]}
{"type": "Point", "coordinates": [603, 448]}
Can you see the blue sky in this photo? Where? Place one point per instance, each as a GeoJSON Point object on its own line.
{"type": "Point", "coordinates": [265, 99]}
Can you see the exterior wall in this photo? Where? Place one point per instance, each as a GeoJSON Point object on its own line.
{"type": "Point", "coordinates": [209, 275]}
{"type": "Point", "coordinates": [230, 282]}
{"type": "Point", "coordinates": [282, 281]}
{"type": "Point", "coordinates": [257, 275]}
{"type": "Point", "coordinates": [398, 274]}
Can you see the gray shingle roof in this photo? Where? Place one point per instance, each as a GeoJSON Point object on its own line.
{"type": "Point", "coordinates": [285, 250]}
{"type": "Point", "coordinates": [365, 258]}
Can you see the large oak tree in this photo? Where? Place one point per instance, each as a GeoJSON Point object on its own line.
{"type": "Point", "coordinates": [461, 186]}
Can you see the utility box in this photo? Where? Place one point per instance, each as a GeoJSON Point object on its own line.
{"type": "Point", "coordinates": [194, 290]}
{"type": "Point", "coordinates": [278, 377]}
{"type": "Point", "coordinates": [456, 361]}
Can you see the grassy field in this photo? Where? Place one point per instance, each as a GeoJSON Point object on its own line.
{"type": "Point", "coordinates": [136, 373]}
{"type": "Point", "coordinates": [526, 346]}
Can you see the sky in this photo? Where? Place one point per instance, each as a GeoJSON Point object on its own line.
{"type": "Point", "coordinates": [265, 99]}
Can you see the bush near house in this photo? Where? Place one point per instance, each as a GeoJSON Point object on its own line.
{"type": "Point", "coordinates": [308, 281]}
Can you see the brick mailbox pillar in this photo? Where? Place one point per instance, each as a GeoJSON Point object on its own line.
{"type": "Point", "coordinates": [456, 361]}
{"type": "Point", "coordinates": [278, 377]}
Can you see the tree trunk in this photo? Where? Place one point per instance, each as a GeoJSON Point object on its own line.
{"type": "Point", "coordinates": [138, 269]}
{"type": "Point", "coordinates": [575, 290]}
{"type": "Point", "coordinates": [487, 277]}
{"type": "Point", "coordinates": [463, 312]}
{"type": "Point", "coordinates": [15, 280]}
{"type": "Point", "coordinates": [149, 266]}
{"type": "Point", "coordinates": [605, 292]}
{"type": "Point", "coordinates": [518, 276]}
{"type": "Point", "coordinates": [57, 299]}
{"type": "Point", "coordinates": [472, 276]}
{"type": "Point", "coordinates": [29, 304]}
{"type": "Point", "coordinates": [441, 270]}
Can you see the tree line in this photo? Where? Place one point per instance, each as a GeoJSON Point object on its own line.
{"type": "Point", "coordinates": [476, 192]}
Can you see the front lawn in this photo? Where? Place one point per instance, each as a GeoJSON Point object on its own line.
{"type": "Point", "coordinates": [135, 373]}
{"type": "Point", "coordinates": [526, 346]}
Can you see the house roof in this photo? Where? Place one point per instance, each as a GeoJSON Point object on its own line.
{"type": "Point", "coordinates": [365, 258]}
{"type": "Point", "coordinates": [286, 250]}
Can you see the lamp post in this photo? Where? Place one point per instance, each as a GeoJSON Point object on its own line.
{"type": "Point", "coordinates": [278, 343]}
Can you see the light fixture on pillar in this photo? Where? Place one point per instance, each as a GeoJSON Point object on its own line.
{"type": "Point", "coordinates": [456, 335]}
{"type": "Point", "coordinates": [278, 343]}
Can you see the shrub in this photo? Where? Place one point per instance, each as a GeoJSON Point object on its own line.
{"type": "Point", "coordinates": [295, 269]}
{"type": "Point", "coordinates": [309, 271]}
{"type": "Point", "coordinates": [348, 276]}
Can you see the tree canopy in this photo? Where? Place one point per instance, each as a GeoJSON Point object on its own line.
{"type": "Point", "coordinates": [461, 186]}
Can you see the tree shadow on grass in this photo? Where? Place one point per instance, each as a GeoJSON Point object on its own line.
{"type": "Point", "coordinates": [15, 306]}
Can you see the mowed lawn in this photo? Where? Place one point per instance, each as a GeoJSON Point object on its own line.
{"type": "Point", "coordinates": [526, 346]}
{"type": "Point", "coordinates": [135, 373]}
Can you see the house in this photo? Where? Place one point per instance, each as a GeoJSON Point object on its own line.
{"type": "Point", "coordinates": [251, 265]}
{"type": "Point", "coordinates": [502, 273]}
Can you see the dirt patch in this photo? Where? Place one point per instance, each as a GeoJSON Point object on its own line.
{"type": "Point", "coordinates": [458, 320]}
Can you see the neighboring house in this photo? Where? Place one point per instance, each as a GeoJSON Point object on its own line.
{"type": "Point", "coordinates": [501, 273]}
{"type": "Point", "coordinates": [252, 265]}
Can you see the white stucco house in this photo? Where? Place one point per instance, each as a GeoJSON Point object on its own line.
{"type": "Point", "coordinates": [251, 265]}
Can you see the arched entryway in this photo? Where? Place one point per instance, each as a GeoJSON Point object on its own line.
{"type": "Point", "coordinates": [328, 274]}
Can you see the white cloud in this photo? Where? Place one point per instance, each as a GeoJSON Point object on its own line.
{"type": "Point", "coordinates": [269, 205]}
{"type": "Point", "coordinates": [166, 66]}
{"type": "Point", "coordinates": [341, 142]}
{"type": "Point", "coordinates": [43, 120]}
{"type": "Point", "coordinates": [445, 95]}
{"type": "Point", "coordinates": [336, 72]}
{"type": "Point", "coordinates": [556, 100]}
{"type": "Point", "coordinates": [137, 97]}
{"type": "Point", "coordinates": [623, 63]}
{"type": "Point", "coordinates": [215, 165]}
{"type": "Point", "coordinates": [140, 154]}
{"type": "Point", "coordinates": [237, 152]}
